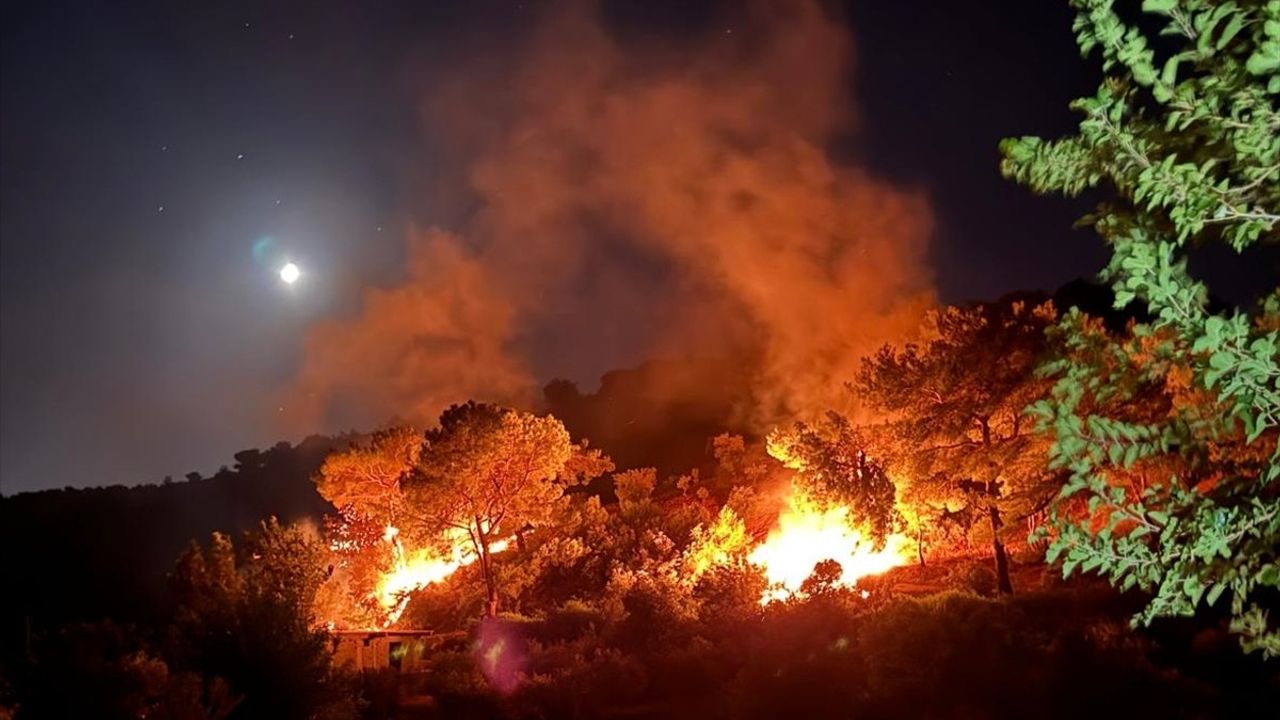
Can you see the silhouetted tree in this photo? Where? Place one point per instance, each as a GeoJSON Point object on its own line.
{"type": "Point", "coordinates": [245, 614]}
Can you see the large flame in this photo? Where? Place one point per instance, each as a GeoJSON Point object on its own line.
{"type": "Point", "coordinates": [807, 534]}
{"type": "Point", "coordinates": [415, 570]}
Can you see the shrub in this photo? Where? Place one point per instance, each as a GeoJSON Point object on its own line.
{"type": "Point", "coordinates": [973, 577]}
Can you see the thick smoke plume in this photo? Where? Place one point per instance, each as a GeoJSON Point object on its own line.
{"type": "Point", "coordinates": [680, 199]}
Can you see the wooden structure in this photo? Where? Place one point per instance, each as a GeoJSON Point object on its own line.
{"type": "Point", "coordinates": [402, 650]}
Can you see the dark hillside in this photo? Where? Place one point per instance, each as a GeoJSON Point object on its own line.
{"type": "Point", "coordinates": [83, 554]}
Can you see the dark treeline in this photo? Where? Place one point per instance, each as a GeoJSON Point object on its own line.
{"type": "Point", "coordinates": [83, 554]}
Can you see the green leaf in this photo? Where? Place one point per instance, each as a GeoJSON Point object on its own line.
{"type": "Point", "coordinates": [1232, 28]}
{"type": "Point", "coordinates": [1214, 591]}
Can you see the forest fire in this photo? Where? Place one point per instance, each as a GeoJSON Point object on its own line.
{"type": "Point", "coordinates": [808, 534]}
{"type": "Point", "coordinates": [415, 570]}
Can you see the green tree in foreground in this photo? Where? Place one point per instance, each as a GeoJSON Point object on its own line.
{"type": "Point", "coordinates": [1186, 140]}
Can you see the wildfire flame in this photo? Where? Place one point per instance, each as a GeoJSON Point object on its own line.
{"type": "Point", "coordinates": [415, 570]}
{"type": "Point", "coordinates": [806, 535]}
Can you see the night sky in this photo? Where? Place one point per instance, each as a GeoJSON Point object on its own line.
{"type": "Point", "coordinates": [160, 161]}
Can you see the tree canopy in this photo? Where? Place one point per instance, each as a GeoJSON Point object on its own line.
{"type": "Point", "coordinates": [956, 423]}
{"type": "Point", "coordinates": [1183, 134]}
{"type": "Point", "coordinates": [832, 466]}
{"type": "Point", "coordinates": [489, 473]}
{"type": "Point", "coordinates": [365, 478]}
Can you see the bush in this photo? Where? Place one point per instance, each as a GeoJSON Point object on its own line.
{"type": "Point", "coordinates": [973, 577]}
{"type": "Point", "coordinates": [954, 655]}
{"type": "Point", "coordinates": [577, 679]}
{"type": "Point", "coordinates": [728, 596]}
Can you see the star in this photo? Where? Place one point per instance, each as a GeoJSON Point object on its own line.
{"type": "Point", "coordinates": [240, 156]}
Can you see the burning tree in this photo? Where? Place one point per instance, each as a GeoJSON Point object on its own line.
{"type": "Point", "coordinates": [368, 535]}
{"type": "Point", "coordinates": [488, 473]}
{"type": "Point", "coordinates": [840, 516]}
{"type": "Point", "coordinates": [958, 425]}
{"type": "Point", "coordinates": [365, 478]}
{"type": "Point", "coordinates": [834, 469]}
{"type": "Point", "coordinates": [414, 508]}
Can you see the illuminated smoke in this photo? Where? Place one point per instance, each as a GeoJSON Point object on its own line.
{"type": "Point", "coordinates": [682, 199]}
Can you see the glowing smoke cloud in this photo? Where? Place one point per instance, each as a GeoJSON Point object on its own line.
{"type": "Point", "coordinates": [686, 191]}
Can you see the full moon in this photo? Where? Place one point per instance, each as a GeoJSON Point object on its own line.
{"type": "Point", "coordinates": [290, 273]}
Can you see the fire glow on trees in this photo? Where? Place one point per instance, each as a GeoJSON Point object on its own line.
{"type": "Point", "coordinates": [808, 534]}
{"type": "Point", "coordinates": [417, 569]}
{"type": "Point", "coordinates": [836, 524]}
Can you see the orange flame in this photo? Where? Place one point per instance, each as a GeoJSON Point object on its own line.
{"type": "Point", "coordinates": [415, 570]}
{"type": "Point", "coordinates": [806, 535]}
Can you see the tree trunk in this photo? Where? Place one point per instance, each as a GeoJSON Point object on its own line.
{"type": "Point", "coordinates": [486, 569]}
{"type": "Point", "coordinates": [1004, 584]}
{"type": "Point", "coordinates": [920, 544]}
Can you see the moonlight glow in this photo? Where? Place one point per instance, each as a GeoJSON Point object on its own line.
{"type": "Point", "coordinates": [290, 273]}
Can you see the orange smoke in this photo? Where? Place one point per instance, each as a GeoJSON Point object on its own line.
{"type": "Point", "coordinates": [438, 339]}
{"type": "Point", "coordinates": [682, 198]}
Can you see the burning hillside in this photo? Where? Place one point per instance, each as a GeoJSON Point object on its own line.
{"type": "Point", "coordinates": [683, 529]}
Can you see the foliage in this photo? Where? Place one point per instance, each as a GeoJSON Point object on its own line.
{"type": "Point", "coordinates": [1185, 133]}
{"type": "Point", "coordinates": [489, 472]}
{"type": "Point", "coordinates": [365, 478]}
{"type": "Point", "coordinates": [956, 425]}
{"type": "Point", "coordinates": [245, 614]}
{"type": "Point", "coordinates": [952, 655]}
{"type": "Point", "coordinates": [972, 578]}
{"type": "Point", "coordinates": [728, 598]}
{"type": "Point", "coordinates": [108, 671]}
{"type": "Point", "coordinates": [577, 678]}
{"type": "Point", "coordinates": [832, 465]}
{"type": "Point", "coordinates": [723, 542]}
